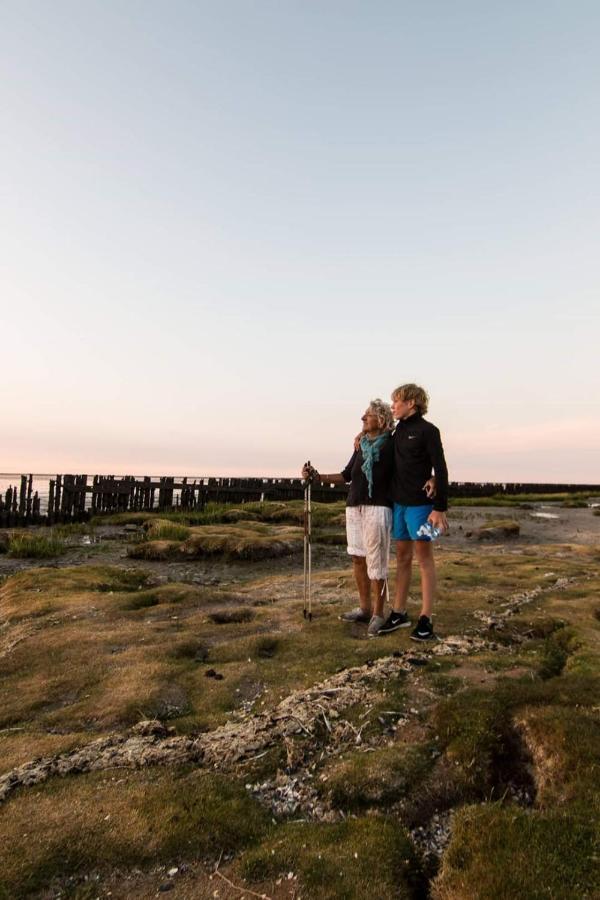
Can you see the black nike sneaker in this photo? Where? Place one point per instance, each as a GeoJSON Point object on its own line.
{"type": "Point", "coordinates": [394, 621]}
{"type": "Point", "coordinates": [423, 630]}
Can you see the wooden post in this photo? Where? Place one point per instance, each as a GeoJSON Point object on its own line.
{"type": "Point", "coordinates": [29, 493]}
{"type": "Point", "coordinates": [23, 495]}
{"type": "Point", "coordinates": [51, 499]}
{"type": "Point", "coordinates": [57, 496]}
{"type": "Point", "coordinates": [66, 505]}
{"type": "Point", "coordinates": [82, 492]}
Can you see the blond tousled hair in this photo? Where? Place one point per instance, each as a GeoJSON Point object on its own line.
{"type": "Point", "coordinates": [410, 392]}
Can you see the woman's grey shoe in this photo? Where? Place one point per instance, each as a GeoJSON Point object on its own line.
{"type": "Point", "coordinates": [375, 626]}
{"type": "Point", "coordinates": [356, 615]}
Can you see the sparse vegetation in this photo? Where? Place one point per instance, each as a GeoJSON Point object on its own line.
{"type": "Point", "coordinates": [250, 541]}
{"type": "Point", "coordinates": [101, 821]}
{"type": "Point", "coordinates": [518, 499]}
{"type": "Point", "coordinates": [335, 862]}
{"type": "Point", "coordinates": [32, 545]}
{"type": "Point", "coordinates": [506, 737]}
{"type": "Point", "coordinates": [163, 530]}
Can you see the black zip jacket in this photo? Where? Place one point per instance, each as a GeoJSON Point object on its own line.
{"type": "Point", "coordinates": [417, 450]}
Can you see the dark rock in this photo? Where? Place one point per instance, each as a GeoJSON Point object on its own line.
{"type": "Point", "coordinates": [210, 673]}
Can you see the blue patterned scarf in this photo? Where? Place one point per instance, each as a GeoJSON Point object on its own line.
{"type": "Point", "coordinates": [370, 451]}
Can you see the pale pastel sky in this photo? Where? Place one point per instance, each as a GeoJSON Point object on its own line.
{"type": "Point", "coordinates": [226, 225]}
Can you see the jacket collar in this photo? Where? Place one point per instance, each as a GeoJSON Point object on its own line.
{"type": "Point", "coordinates": [412, 420]}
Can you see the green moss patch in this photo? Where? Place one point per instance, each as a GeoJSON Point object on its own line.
{"type": "Point", "coordinates": [103, 821]}
{"type": "Point", "coordinates": [564, 742]}
{"type": "Point", "coordinates": [345, 861]}
{"type": "Point", "coordinates": [378, 779]}
{"type": "Point", "coordinates": [504, 851]}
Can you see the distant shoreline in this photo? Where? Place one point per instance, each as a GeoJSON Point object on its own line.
{"type": "Point", "coordinates": [524, 486]}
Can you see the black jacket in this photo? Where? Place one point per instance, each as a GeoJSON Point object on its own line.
{"type": "Point", "coordinates": [358, 494]}
{"type": "Point", "coordinates": [417, 450]}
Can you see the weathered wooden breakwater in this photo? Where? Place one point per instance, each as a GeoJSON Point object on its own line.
{"type": "Point", "coordinates": [72, 498]}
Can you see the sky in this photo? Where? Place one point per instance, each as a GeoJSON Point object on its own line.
{"type": "Point", "coordinates": [225, 226]}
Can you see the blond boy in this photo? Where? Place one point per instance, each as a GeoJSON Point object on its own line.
{"type": "Point", "coordinates": [417, 451]}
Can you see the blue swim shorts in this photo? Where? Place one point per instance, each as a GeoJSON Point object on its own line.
{"type": "Point", "coordinates": [406, 521]}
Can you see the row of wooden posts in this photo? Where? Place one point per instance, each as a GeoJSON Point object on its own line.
{"type": "Point", "coordinates": [68, 494]}
{"type": "Point", "coordinates": [22, 502]}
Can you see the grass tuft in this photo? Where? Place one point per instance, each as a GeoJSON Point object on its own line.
{"type": "Point", "coordinates": [35, 546]}
{"type": "Point", "coordinates": [141, 600]}
{"type": "Point", "coordinates": [364, 780]}
{"type": "Point", "coordinates": [513, 853]}
{"type": "Point", "coordinates": [191, 648]}
{"type": "Point", "coordinates": [105, 821]}
{"type": "Point", "coordinates": [266, 647]}
{"type": "Point", "coordinates": [163, 530]}
{"type": "Point", "coordinates": [557, 648]}
{"type": "Point", "coordinates": [336, 862]}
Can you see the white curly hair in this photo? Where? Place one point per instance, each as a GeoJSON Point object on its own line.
{"type": "Point", "coordinates": [383, 411]}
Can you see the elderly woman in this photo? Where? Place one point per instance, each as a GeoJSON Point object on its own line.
{"type": "Point", "coordinates": [368, 512]}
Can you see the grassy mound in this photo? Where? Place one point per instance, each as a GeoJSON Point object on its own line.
{"type": "Point", "coordinates": [250, 541]}
{"type": "Point", "coordinates": [335, 862]}
{"type": "Point", "coordinates": [513, 853]}
{"type": "Point", "coordinates": [288, 513]}
{"type": "Point", "coordinates": [33, 545]}
{"type": "Point", "coordinates": [99, 822]}
{"type": "Point", "coordinates": [371, 780]}
{"type": "Point", "coordinates": [154, 550]}
{"type": "Point", "coordinates": [163, 530]}
{"type": "Point", "coordinates": [501, 849]}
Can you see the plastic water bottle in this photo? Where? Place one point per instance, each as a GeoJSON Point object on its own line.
{"type": "Point", "coordinates": [429, 530]}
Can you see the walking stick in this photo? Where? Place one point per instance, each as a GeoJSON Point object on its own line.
{"type": "Point", "coordinates": [307, 550]}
